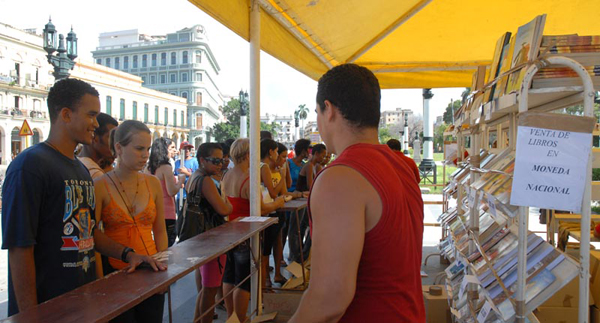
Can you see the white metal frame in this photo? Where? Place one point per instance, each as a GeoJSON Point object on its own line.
{"type": "Point", "coordinates": [523, 217]}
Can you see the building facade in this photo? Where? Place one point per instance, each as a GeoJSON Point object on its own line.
{"type": "Point", "coordinates": [124, 98]}
{"type": "Point", "coordinates": [286, 129]}
{"type": "Point", "coordinates": [394, 117]}
{"type": "Point", "coordinates": [180, 63]}
{"type": "Point", "coordinates": [25, 77]}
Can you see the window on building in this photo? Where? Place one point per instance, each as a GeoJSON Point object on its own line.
{"type": "Point", "coordinates": [152, 79]}
{"type": "Point", "coordinates": [154, 56]}
{"type": "Point", "coordinates": [198, 121]}
{"type": "Point", "coordinates": [17, 102]}
{"type": "Point", "coordinates": [144, 79]}
{"type": "Point", "coordinates": [185, 57]}
{"type": "Point", "coordinates": [199, 98]}
{"type": "Point", "coordinates": [107, 62]}
{"type": "Point", "coordinates": [198, 57]}
{"type": "Point", "coordinates": [122, 110]}
{"type": "Point", "coordinates": [134, 112]}
{"type": "Point", "coordinates": [175, 118]}
{"type": "Point", "coordinates": [135, 62]}
{"type": "Point", "coordinates": [184, 77]}
{"type": "Point", "coordinates": [144, 60]}
{"type": "Point", "coordinates": [146, 112]}
{"type": "Point", "coordinates": [99, 61]}
{"type": "Point", "coordinates": [173, 77]}
{"type": "Point", "coordinates": [182, 119]}
{"type": "Point", "coordinates": [108, 105]}
{"type": "Point", "coordinates": [37, 75]}
{"type": "Point", "coordinates": [126, 62]}
{"type": "Point", "coordinates": [117, 63]}
{"type": "Point", "coordinates": [184, 95]}
{"type": "Point", "coordinates": [163, 59]}
{"type": "Point", "coordinates": [166, 116]}
{"type": "Point", "coordinates": [173, 58]}
{"type": "Point", "coordinates": [156, 114]}
{"type": "Point", "coordinates": [163, 78]}
{"type": "Point", "coordinates": [198, 77]}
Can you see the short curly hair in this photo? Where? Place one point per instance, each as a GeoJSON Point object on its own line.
{"type": "Point", "coordinates": [67, 93]}
{"type": "Point", "coordinates": [355, 91]}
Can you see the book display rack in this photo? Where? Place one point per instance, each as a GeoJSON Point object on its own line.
{"type": "Point", "coordinates": [499, 270]}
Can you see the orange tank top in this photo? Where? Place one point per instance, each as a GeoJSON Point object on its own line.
{"type": "Point", "coordinates": [134, 232]}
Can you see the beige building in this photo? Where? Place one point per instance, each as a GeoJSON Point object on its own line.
{"type": "Point", "coordinates": [124, 98]}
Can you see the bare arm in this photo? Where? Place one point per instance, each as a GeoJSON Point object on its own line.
{"type": "Point", "coordinates": [210, 192]}
{"type": "Point", "coordinates": [159, 228]}
{"type": "Point", "coordinates": [22, 270]}
{"type": "Point", "coordinates": [173, 185]}
{"type": "Point", "coordinates": [267, 180]}
{"type": "Point", "coordinates": [288, 175]}
{"type": "Point", "coordinates": [265, 208]}
{"type": "Point", "coordinates": [338, 236]}
{"type": "Point", "coordinates": [310, 174]}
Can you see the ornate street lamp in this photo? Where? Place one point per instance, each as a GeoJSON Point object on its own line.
{"type": "Point", "coordinates": [64, 60]}
{"type": "Point", "coordinates": [406, 134]}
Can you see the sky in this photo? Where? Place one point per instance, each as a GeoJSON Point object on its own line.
{"type": "Point", "coordinates": [283, 89]}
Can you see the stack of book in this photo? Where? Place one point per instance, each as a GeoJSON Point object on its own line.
{"type": "Point", "coordinates": [583, 49]}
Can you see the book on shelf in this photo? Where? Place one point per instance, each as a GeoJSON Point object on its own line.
{"type": "Point", "coordinates": [478, 78]}
{"type": "Point", "coordinates": [526, 48]}
{"type": "Point", "coordinates": [502, 163]}
{"type": "Point", "coordinates": [560, 82]}
{"type": "Point", "coordinates": [499, 53]}
{"type": "Point", "coordinates": [535, 285]}
{"type": "Point", "coordinates": [505, 67]}
{"type": "Point", "coordinates": [495, 250]}
{"type": "Point", "coordinates": [505, 260]}
{"type": "Point", "coordinates": [569, 40]}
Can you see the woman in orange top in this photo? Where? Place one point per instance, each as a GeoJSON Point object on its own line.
{"type": "Point", "coordinates": [130, 205]}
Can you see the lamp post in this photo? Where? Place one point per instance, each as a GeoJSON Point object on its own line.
{"type": "Point", "coordinates": [243, 114]}
{"type": "Point", "coordinates": [64, 60]}
{"type": "Point", "coordinates": [405, 137]}
{"type": "Point", "coordinates": [427, 162]}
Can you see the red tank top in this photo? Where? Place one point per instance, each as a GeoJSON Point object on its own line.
{"type": "Point", "coordinates": [388, 286]}
{"type": "Point", "coordinates": [241, 206]}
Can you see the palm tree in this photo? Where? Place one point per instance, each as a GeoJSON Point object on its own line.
{"type": "Point", "coordinates": [301, 113]}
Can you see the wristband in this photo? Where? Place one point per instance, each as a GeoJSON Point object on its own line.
{"type": "Point", "coordinates": [124, 254]}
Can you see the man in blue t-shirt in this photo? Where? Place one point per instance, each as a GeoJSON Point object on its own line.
{"type": "Point", "coordinates": [48, 219]}
{"type": "Point", "coordinates": [190, 165]}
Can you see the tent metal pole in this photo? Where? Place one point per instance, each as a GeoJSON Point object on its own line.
{"type": "Point", "coordinates": [255, 304]}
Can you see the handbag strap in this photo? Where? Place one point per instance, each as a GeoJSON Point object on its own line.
{"type": "Point", "coordinates": [197, 185]}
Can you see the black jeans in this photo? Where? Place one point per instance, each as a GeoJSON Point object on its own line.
{"type": "Point", "coordinates": [171, 233]}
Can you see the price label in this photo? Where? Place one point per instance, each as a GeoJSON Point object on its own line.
{"type": "Point", "coordinates": [492, 205]}
{"type": "Point", "coordinates": [486, 310]}
{"type": "Point", "coordinates": [471, 200]}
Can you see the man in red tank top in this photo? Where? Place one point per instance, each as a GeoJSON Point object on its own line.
{"type": "Point", "coordinates": [366, 214]}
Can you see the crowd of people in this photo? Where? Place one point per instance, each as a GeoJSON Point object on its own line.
{"type": "Point", "coordinates": [69, 219]}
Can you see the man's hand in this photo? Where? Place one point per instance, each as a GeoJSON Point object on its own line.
{"type": "Point", "coordinates": [136, 260]}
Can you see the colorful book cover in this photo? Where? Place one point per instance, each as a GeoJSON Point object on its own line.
{"type": "Point", "coordinates": [527, 45]}
{"type": "Point", "coordinates": [502, 46]}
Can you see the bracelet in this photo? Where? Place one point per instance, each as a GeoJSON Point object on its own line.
{"type": "Point", "coordinates": [124, 254]}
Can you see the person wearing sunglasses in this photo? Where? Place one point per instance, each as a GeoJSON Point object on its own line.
{"type": "Point", "coordinates": [210, 159]}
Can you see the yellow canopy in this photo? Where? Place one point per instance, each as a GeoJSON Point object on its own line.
{"type": "Point", "coordinates": [407, 43]}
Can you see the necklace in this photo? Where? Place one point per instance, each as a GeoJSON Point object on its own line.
{"type": "Point", "coordinates": [131, 207]}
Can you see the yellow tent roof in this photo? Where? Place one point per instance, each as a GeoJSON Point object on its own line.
{"type": "Point", "coordinates": [407, 43]}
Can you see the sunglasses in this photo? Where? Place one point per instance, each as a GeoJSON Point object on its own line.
{"type": "Point", "coordinates": [214, 160]}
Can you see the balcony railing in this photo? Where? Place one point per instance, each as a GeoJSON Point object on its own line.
{"type": "Point", "coordinates": [24, 113]}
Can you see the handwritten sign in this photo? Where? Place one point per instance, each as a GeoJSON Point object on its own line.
{"type": "Point", "coordinates": [550, 168]}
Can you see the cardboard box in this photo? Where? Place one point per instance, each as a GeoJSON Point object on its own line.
{"type": "Point", "coordinates": [436, 306]}
{"type": "Point", "coordinates": [595, 279]}
{"type": "Point", "coordinates": [284, 303]}
{"type": "Point", "coordinates": [594, 314]}
{"type": "Point", "coordinates": [568, 296]}
{"type": "Point", "coordinates": [556, 314]}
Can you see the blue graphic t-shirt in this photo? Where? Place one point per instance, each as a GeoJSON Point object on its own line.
{"type": "Point", "coordinates": [48, 202]}
{"type": "Point", "coordinates": [294, 173]}
{"type": "Point", "coordinates": [192, 165]}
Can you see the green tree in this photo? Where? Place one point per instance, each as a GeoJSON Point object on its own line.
{"type": "Point", "coordinates": [449, 113]}
{"type": "Point", "coordinates": [301, 113]}
{"type": "Point", "coordinates": [272, 127]}
{"type": "Point", "coordinates": [438, 136]}
{"type": "Point", "coordinates": [384, 135]}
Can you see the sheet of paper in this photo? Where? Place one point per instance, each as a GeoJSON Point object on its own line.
{"type": "Point", "coordinates": [233, 319]}
{"type": "Point", "coordinates": [254, 219]}
{"type": "Point", "coordinates": [550, 168]}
